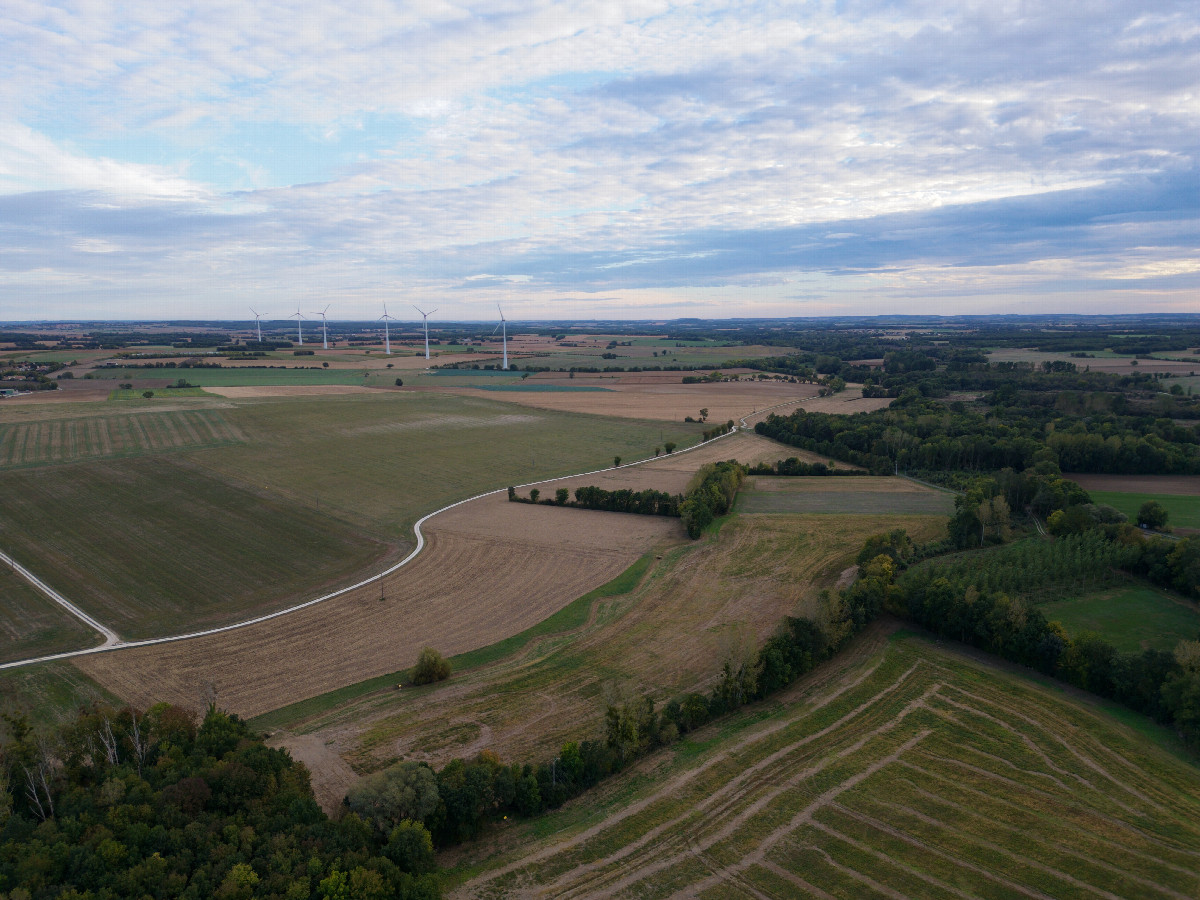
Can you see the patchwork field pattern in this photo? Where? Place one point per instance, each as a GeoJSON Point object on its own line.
{"type": "Point", "coordinates": [921, 774]}
{"type": "Point", "coordinates": [842, 495]}
{"type": "Point", "coordinates": [95, 437]}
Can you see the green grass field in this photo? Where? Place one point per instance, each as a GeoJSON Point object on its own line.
{"type": "Point", "coordinates": [33, 625]}
{"type": "Point", "coordinates": [265, 502]}
{"type": "Point", "coordinates": [239, 376]}
{"type": "Point", "coordinates": [1184, 511]}
{"type": "Point", "coordinates": [1132, 618]}
{"type": "Point", "coordinates": [153, 545]}
{"type": "Point", "coordinates": [913, 772]}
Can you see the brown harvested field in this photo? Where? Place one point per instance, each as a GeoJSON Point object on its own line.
{"type": "Point", "coordinates": [664, 398]}
{"type": "Point", "coordinates": [1181, 485]}
{"type": "Point", "coordinates": [491, 569]}
{"type": "Point", "coordinates": [287, 390]}
{"type": "Point", "coordinates": [874, 484]}
{"type": "Point", "coordinates": [703, 602]}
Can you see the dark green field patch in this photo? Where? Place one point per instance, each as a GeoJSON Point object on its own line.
{"type": "Point", "coordinates": [1131, 618]}
{"type": "Point", "coordinates": [69, 440]}
{"type": "Point", "coordinates": [1183, 510]}
{"type": "Point", "coordinates": [153, 545]}
{"type": "Point", "coordinates": [239, 376]}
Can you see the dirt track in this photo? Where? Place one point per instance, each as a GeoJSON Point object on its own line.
{"type": "Point", "coordinates": [491, 569]}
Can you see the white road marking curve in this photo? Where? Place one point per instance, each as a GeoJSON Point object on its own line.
{"type": "Point", "coordinates": [112, 641]}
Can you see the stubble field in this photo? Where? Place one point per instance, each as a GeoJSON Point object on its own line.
{"type": "Point", "coordinates": [667, 630]}
{"type": "Point", "coordinates": [909, 771]}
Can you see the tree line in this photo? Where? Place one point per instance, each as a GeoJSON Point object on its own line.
{"type": "Point", "coordinates": [121, 803]}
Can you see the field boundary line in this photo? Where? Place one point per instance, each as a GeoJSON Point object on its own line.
{"type": "Point", "coordinates": [111, 638]}
{"type": "Point", "coordinates": [114, 642]}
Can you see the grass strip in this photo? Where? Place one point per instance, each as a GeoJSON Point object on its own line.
{"type": "Point", "coordinates": [572, 616]}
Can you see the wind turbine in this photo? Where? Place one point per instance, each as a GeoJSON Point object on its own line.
{"type": "Point", "coordinates": [324, 333]}
{"type": "Point", "coordinates": [299, 328]}
{"type": "Point", "coordinates": [387, 338]}
{"type": "Point", "coordinates": [425, 316]}
{"type": "Point", "coordinates": [257, 323]}
{"type": "Point", "coordinates": [503, 334]}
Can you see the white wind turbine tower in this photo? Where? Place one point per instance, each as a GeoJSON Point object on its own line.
{"type": "Point", "coordinates": [257, 323]}
{"type": "Point", "coordinates": [299, 328]}
{"type": "Point", "coordinates": [324, 323]}
{"type": "Point", "coordinates": [425, 316]}
{"type": "Point", "coordinates": [503, 334]}
{"type": "Point", "coordinates": [387, 338]}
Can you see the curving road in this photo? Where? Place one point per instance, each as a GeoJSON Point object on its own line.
{"type": "Point", "coordinates": [112, 641]}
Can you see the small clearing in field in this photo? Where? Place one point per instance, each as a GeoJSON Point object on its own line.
{"type": "Point", "coordinates": [915, 772]}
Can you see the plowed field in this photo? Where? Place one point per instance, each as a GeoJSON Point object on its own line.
{"type": "Point", "coordinates": [919, 774]}
{"type": "Point", "coordinates": [491, 568]}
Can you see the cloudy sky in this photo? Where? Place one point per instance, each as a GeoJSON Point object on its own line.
{"type": "Point", "coordinates": [578, 159]}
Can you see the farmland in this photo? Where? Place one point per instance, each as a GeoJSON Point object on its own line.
{"type": "Point", "coordinates": [71, 439]}
{"type": "Point", "coordinates": [33, 625]}
{"type": "Point", "coordinates": [1131, 617]}
{"type": "Point", "coordinates": [720, 597]}
{"type": "Point", "coordinates": [842, 495]}
{"type": "Point", "coordinates": [902, 769]}
{"type": "Point", "coordinates": [132, 560]}
{"type": "Point", "coordinates": [285, 498]}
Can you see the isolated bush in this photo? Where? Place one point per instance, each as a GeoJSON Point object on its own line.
{"type": "Point", "coordinates": [561, 496]}
{"type": "Point", "coordinates": [147, 394]}
{"type": "Point", "coordinates": [431, 666]}
{"type": "Point", "coordinates": [534, 493]}
{"type": "Point", "coordinates": [1152, 514]}
{"type": "Point", "coordinates": [406, 791]}
{"type": "Point", "coordinates": [399, 382]}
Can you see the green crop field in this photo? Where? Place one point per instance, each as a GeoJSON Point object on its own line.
{"type": "Point", "coordinates": [1183, 510]}
{"type": "Point", "coordinates": [153, 545]}
{"type": "Point", "coordinates": [33, 625]}
{"type": "Point", "coordinates": [1132, 618]}
{"type": "Point", "coordinates": [50, 693]}
{"type": "Point", "coordinates": [93, 437]}
{"type": "Point", "coordinates": [239, 376]}
{"type": "Point", "coordinates": [296, 497]}
{"type": "Point", "coordinates": [916, 773]}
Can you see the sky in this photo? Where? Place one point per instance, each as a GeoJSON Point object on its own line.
{"type": "Point", "coordinates": [576, 159]}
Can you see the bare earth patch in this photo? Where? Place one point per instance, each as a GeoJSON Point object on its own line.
{"type": "Point", "coordinates": [1182, 485]}
{"type": "Point", "coordinates": [653, 396]}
